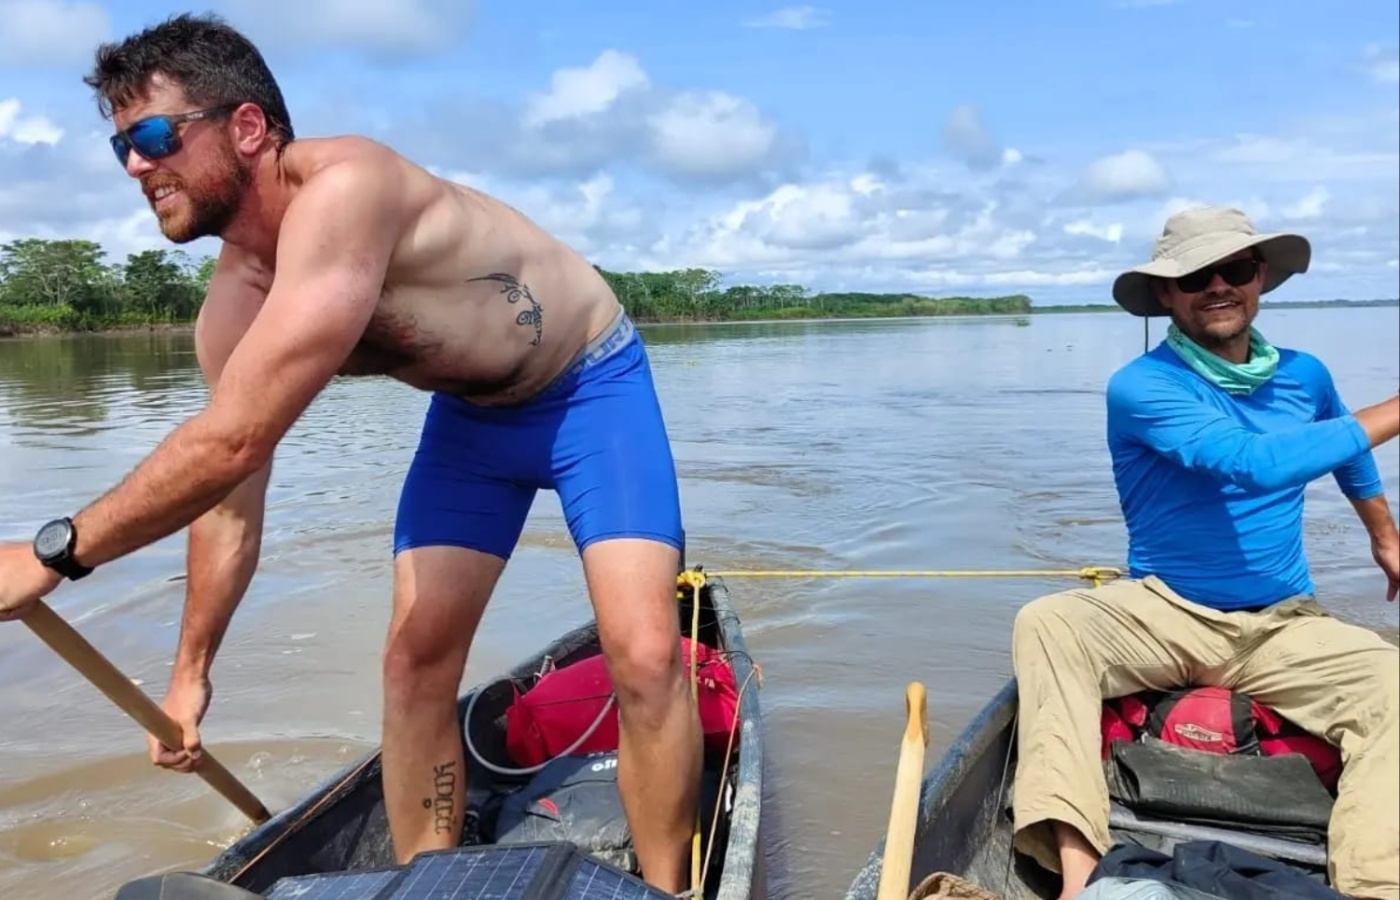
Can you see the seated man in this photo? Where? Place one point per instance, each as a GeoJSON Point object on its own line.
{"type": "Point", "coordinates": [1214, 436]}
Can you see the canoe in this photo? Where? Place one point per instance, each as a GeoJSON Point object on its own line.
{"type": "Point", "coordinates": [339, 830]}
{"type": "Point", "coordinates": [964, 821]}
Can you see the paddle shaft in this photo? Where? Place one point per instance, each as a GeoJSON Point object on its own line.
{"type": "Point", "coordinates": [81, 655]}
{"type": "Point", "coordinates": [904, 810]}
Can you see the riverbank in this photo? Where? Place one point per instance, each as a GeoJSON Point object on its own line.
{"type": "Point", "coordinates": [26, 329]}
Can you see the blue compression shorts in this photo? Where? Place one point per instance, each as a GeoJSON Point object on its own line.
{"type": "Point", "coordinates": [595, 435]}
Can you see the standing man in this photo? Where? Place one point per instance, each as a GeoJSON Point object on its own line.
{"type": "Point", "coordinates": [1214, 436]}
{"type": "Point", "coordinates": [340, 256]}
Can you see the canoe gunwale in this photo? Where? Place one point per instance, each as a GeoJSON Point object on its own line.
{"type": "Point", "coordinates": [740, 857]}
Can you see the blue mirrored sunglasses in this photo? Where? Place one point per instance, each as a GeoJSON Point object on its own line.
{"type": "Point", "coordinates": [156, 137]}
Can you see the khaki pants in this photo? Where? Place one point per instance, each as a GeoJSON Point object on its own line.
{"type": "Point", "coordinates": [1338, 681]}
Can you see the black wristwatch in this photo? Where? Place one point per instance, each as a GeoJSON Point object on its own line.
{"type": "Point", "coordinates": [53, 545]}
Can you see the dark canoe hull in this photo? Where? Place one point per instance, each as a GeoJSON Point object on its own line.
{"type": "Point", "coordinates": [964, 827]}
{"type": "Point", "coordinates": [341, 825]}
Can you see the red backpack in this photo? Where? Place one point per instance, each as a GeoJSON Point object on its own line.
{"type": "Point", "coordinates": [547, 719]}
{"type": "Point", "coordinates": [1216, 720]}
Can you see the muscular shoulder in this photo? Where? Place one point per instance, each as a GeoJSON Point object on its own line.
{"type": "Point", "coordinates": [353, 165]}
{"type": "Point", "coordinates": [347, 167]}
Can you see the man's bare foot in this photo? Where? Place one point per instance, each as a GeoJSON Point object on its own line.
{"type": "Point", "coordinates": [1077, 859]}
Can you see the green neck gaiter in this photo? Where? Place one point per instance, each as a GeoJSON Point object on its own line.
{"type": "Point", "coordinates": [1234, 378]}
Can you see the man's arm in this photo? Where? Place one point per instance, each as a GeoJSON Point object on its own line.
{"type": "Point", "coordinates": [332, 254]}
{"type": "Point", "coordinates": [1374, 513]}
{"type": "Point", "coordinates": [1198, 437]}
{"type": "Point", "coordinates": [1380, 422]}
{"type": "Point", "coordinates": [1360, 480]}
{"type": "Point", "coordinates": [223, 553]}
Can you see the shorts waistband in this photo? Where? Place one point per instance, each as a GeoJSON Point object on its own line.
{"type": "Point", "coordinates": [601, 348]}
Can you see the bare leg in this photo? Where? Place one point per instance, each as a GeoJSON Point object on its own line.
{"type": "Point", "coordinates": [1077, 859]}
{"type": "Point", "coordinates": [633, 587]}
{"type": "Point", "coordinates": [439, 596]}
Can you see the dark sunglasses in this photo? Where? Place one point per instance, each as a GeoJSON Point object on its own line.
{"type": "Point", "coordinates": [156, 137]}
{"type": "Point", "coordinates": [1235, 273]}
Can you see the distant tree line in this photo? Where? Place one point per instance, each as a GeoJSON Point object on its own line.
{"type": "Point", "coordinates": [67, 285]}
{"type": "Point", "coordinates": [695, 295]}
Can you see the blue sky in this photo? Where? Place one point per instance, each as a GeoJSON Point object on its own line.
{"type": "Point", "coordinates": [936, 147]}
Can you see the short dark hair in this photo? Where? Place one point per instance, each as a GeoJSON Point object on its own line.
{"type": "Point", "coordinates": [212, 62]}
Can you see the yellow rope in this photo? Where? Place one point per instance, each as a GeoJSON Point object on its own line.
{"type": "Point", "coordinates": [695, 579]}
{"type": "Point", "coordinates": [1096, 574]}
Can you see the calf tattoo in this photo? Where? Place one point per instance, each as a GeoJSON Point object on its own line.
{"type": "Point", "coordinates": [515, 292]}
{"type": "Point", "coordinates": [444, 787]}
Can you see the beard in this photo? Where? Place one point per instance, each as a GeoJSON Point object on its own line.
{"type": "Point", "coordinates": [210, 205]}
{"type": "Point", "coordinates": [1212, 331]}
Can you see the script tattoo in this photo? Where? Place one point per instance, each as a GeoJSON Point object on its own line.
{"type": "Point", "coordinates": [515, 292]}
{"type": "Point", "coordinates": [444, 786]}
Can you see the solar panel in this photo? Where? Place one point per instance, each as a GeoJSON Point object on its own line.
{"type": "Point", "coordinates": [338, 886]}
{"type": "Point", "coordinates": [497, 874]}
{"type": "Point", "coordinates": [556, 871]}
{"type": "Point", "coordinates": [595, 882]}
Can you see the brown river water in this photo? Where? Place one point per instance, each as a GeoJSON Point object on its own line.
{"type": "Point", "coordinates": [903, 444]}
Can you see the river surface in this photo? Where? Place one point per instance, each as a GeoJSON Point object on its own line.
{"type": "Point", "coordinates": [904, 444]}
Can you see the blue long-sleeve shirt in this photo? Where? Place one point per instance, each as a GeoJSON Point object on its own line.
{"type": "Point", "coordinates": [1211, 483]}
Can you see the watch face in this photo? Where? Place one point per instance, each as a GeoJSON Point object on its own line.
{"type": "Point", "coordinates": [52, 539]}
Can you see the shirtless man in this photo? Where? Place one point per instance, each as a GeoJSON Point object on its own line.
{"type": "Point", "coordinates": [341, 257]}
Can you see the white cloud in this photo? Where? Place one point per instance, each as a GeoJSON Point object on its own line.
{"type": "Point", "coordinates": [1011, 156]}
{"type": "Point", "coordinates": [711, 133]}
{"type": "Point", "coordinates": [595, 117]}
{"type": "Point", "coordinates": [1303, 159]}
{"type": "Point", "coordinates": [26, 130]}
{"type": "Point", "coordinates": [50, 32]}
{"type": "Point", "coordinates": [1035, 278]}
{"type": "Point", "coordinates": [401, 29]}
{"type": "Point", "coordinates": [1383, 63]}
{"type": "Point", "coordinates": [879, 234]}
{"type": "Point", "coordinates": [1239, 23]}
{"type": "Point", "coordinates": [793, 18]}
{"type": "Point", "coordinates": [967, 137]}
{"type": "Point", "coordinates": [813, 217]}
{"type": "Point", "coordinates": [1124, 176]}
{"type": "Point", "coordinates": [1310, 206]}
{"type": "Point", "coordinates": [579, 92]}
{"type": "Point", "coordinates": [866, 184]}
{"type": "Point", "coordinates": [1112, 233]}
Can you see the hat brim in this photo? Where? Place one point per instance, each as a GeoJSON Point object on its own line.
{"type": "Point", "coordinates": [1285, 254]}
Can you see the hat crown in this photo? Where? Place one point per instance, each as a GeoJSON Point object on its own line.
{"type": "Point", "coordinates": [1192, 224]}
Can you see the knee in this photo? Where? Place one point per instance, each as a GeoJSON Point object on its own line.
{"type": "Point", "coordinates": [1043, 623]}
{"type": "Point", "coordinates": [647, 673]}
{"type": "Point", "coordinates": [418, 663]}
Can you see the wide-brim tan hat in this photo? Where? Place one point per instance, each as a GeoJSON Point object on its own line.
{"type": "Point", "coordinates": [1195, 238]}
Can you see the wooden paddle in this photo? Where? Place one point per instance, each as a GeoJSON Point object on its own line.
{"type": "Point", "coordinates": [904, 810]}
{"type": "Point", "coordinates": [73, 647]}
